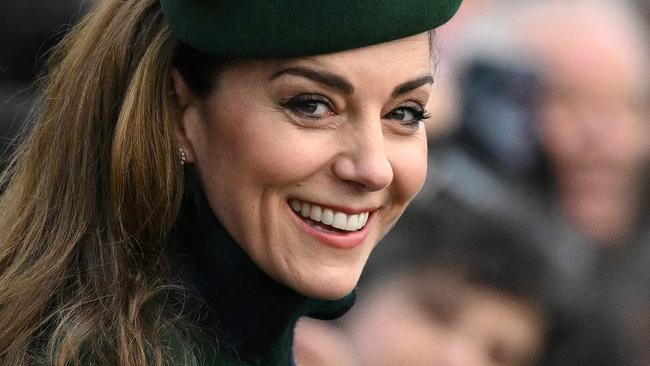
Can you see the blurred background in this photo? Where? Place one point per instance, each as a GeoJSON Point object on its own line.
{"type": "Point", "coordinates": [28, 31]}
{"type": "Point", "coordinates": [530, 242]}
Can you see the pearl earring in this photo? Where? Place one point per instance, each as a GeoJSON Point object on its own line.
{"type": "Point", "coordinates": [181, 153]}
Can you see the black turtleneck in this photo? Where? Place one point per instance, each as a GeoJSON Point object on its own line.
{"type": "Point", "coordinates": [251, 315]}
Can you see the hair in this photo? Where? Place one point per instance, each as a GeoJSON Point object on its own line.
{"type": "Point", "coordinates": [91, 197]}
{"type": "Point", "coordinates": [450, 236]}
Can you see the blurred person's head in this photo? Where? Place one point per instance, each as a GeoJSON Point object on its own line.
{"type": "Point", "coordinates": [474, 299]}
{"type": "Point", "coordinates": [447, 321]}
{"type": "Point", "coordinates": [592, 64]}
{"type": "Point", "coordinates": [593, 112]}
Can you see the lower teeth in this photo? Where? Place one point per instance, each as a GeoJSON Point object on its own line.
{"type": "Point", "coordinates": [323, 227]}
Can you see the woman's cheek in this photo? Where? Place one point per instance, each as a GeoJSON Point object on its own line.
{"type": "Point", "coordinates": [408, 157]}
{"type": "Point", "coordinates": [289, 158]}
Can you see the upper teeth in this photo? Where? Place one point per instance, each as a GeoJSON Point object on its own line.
{"type": "Point", "coordinates": [330, 217]}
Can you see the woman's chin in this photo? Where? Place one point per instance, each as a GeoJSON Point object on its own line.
{"type": "Point", "coordinates": [327, 287]}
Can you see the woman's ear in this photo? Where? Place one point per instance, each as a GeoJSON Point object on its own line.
{"type": "Point", "coordinates": [186, 116]}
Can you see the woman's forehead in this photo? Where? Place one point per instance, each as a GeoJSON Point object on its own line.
{"type": "Point", "coordinates": [414, 46]}
{"type": "Point", "coordinates": [401, 58]}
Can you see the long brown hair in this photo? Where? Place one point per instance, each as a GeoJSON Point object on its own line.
{"type": "Point", "coordinates": [90, 199]}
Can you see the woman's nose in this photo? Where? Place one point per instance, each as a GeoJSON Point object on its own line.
{"type": "Point", "coordinates": [364, 160]}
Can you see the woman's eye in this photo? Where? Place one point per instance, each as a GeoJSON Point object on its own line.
{"type": "Point", "coordinates": [309, 105]}
{"type": "Point", "coordinates": [403, 115]}
{"type": "Point", "coordinates": [409, 116]}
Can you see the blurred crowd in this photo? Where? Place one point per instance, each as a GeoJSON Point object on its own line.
{"type": "Point", "coordinates": [530, 242]}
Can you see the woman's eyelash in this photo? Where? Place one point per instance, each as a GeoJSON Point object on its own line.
{"type": "Point", "coordinates": [308, 105]}
{"type": "Point", "coordinates": [301, 98]}
{"type": "Point", "coordinates": [410, 115]}
{"type": "Point", "coordinates": [422, 114]}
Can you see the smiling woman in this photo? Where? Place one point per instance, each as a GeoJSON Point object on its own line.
{"type": "Point", "coordinates": [339, 135]}
{"type": "Point", "coordinates": [203, 174]}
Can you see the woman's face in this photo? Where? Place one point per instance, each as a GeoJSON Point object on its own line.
{"type": "Point", "coordinates": [308, 162]}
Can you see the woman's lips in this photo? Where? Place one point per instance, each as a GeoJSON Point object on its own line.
{"type": "Point", "coordinates": [331, 227]}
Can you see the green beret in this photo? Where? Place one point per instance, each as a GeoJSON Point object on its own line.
{"type": "Point", "coordinates": [292, 28]}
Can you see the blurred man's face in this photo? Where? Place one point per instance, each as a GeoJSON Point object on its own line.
{"type": "Point", "coordinates": [593, 125]}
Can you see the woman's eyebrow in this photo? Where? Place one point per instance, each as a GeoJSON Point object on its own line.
{"type": "Point", "coordinates": [341, 84]}
{"type": "Point", "coordinates": [412, 85]}
{"type": "Point", "coordinates": [323, 77]}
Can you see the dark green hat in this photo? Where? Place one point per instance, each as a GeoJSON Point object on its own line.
{"type": "Point", "coordinates": [291, 28]}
